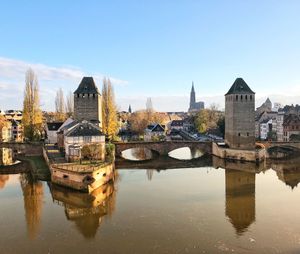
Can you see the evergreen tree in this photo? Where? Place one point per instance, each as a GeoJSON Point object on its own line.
{"type": "Point", "coordinates": [32, 114]}
{"type": "Point", "coordinates": [109, 110]}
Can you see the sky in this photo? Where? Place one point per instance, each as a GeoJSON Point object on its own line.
{"type": "Point", "coordinates": [151, 49]}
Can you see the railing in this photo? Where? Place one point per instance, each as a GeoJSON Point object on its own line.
{"type": "Point", "coordinates": [79, 168]}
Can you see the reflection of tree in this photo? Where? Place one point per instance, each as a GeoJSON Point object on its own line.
{"type": "Point", "coordinates": [3, 180]}
{"type": "Point", "coordinates": [33, 201]}
{"type": "Point", "coordinates": [141, 153]}
{"type": "Point", "coordinates": [6, 156]}
{"type": "Point", "coordinates": [240, 199]}
{"type": "Point", "coordinates": [150, 174]}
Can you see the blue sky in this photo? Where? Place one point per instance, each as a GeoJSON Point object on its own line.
{"type": "Point", "coordinates": [152, 49]}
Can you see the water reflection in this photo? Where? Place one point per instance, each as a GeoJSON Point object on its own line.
{"type": "Point", "coordinates": [137, 154]}
{"type": "Point", "coordinates": [186, 153]}
{"type": "Point", "coordinates": [6, 156]}
{"type": "Point", "coordinates": [33, 203]}
{"type": "Point", "coordinates": [240, 199]}
{"type": "Point", "coordinates": [86, 210]}
{"type": "Point", "coordinates": [3, 180]}
{"type": "Point", "coordinates": [288, 171]}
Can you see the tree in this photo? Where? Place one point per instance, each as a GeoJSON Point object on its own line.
{"type": "Point", "coordinates": [70, 104]}
{"type": "Point", "coordinates": [60, 106]}
{"type": "Point", "coordinates": [139, 120]}
{"type": "Point", "coordinates": [32, 114]}
{"type": "Point", "coordinates": [109, 110]}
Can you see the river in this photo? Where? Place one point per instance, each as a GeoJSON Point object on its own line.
{"type": "Point", "coordinates": [206, 209]}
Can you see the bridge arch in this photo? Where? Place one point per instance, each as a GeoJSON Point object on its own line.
{"type": "Point", "coordinates": [163, 147]}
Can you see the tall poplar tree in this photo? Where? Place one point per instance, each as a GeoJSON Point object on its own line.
{"type": "Point", "coordinates": [109, 110]}
{"type": "Point", "coordinates": [70, 104]}
{"type": "Point", "coordinates": [60, 105]}
{"type": "Point", "coordinates": [32, 114]}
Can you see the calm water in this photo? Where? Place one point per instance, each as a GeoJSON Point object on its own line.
{"type": "Point", "coordinates": [186, 210]}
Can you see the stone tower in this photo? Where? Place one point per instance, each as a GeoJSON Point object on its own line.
{"type": "Point", "coordinates": [240, 116]}
{"type": "Point", "coordinates": [192, 97]}
{"type": "Point", "coordinates": [87, 102]}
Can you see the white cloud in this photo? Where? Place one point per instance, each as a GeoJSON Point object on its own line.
{"type": "Point", "coordinates": [12, 76]}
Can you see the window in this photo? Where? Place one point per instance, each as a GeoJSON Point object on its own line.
{"type": "Point", "coordinates": [65, 176]}
{"type": "Point", "coordinates": [247, 134]}
{"type": "Point", "coordinates": [246, 97]}
{"type": "Point", "coordinates": [78, 95]}
{"type": "Point", "coordinates": [239, 134]}
{"type": "Point", "coordinates": [250, 97]}
{"type": "Point", "coordinates": [94, 95]}
{"type": "Point", "coordinates": [82, 95]}
{"type": "Point", "coordinates": [241, 97]}
{"type": "Point", "coordinates": [236, 97]}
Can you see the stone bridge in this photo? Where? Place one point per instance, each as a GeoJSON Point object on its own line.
{"type": "Point", "coordinates": [280, 150]}
{"type": "Point", "coordinates": [269, 144]}
{"type": "Point", "coordinates": [164, 147]}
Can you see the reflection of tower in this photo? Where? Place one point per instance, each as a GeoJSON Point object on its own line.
{"type": "Point", "coordinates": [3, 179]}
{"type": "Point", "coordinates": [150, 174]}
{"type": "Point", "coordinates": [86, 209]}
{"type": "Point", "coordinates": [33, 201]}
{"type": "Point", "coordinates": [240, 199]}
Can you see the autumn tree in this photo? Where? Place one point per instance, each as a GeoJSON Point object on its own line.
{"type": "Point", "coordinates": [32, 114]}
{"type": "Point", "coordinates": [207, 119]}
{"type": "Point", "coordinates": [69, 104]}
{"type": "Point", "coordinates": [109, 110]}
{"type": "Point", "coordinates": [139, 120]}
{"type": "Point", "coordinates": [60, 106]}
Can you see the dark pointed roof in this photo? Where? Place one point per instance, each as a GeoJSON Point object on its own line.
{"type": "Point", "coordinates": [193, 89]}
{"type": "Point", "coordinates": [240, 87]}
{"type": "Point", "coordinates": [268, 100]}
{"type": "Point", "coordinates": [87, 86]}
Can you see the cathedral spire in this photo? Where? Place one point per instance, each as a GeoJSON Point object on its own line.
{"type": "Point", "coordinates": [192, 97]}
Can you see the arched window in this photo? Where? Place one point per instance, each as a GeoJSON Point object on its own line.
{"type": "Point", "coordinates": [78, 95]}
{"type": "Point", "coordinates": [246, 97]}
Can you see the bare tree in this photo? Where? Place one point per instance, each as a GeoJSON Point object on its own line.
{"type": "Point", "coordinates": [70, 104]}
{"type": "Point", "coordinates": [60, 105]}
{"type": "Point", "coordinates": [32, 114]}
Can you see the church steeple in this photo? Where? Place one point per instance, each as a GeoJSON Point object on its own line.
{"type": "Point", "coordinates": [129, 109]}
{"type": "Point", "coordinates": [192, 97]}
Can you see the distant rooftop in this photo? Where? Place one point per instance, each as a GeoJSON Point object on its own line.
{"type": "Point", "coordinates": [87, 86]}
{"type": "Point", "coordinates": [240, 87]}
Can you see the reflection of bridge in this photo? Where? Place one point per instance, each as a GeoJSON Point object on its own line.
{"type": "Point", "coordinates": [164, 162]}
{"type": "Point", "coordinates": [163, 147]}
{"type": "Point", "coordinates": [280, 150]}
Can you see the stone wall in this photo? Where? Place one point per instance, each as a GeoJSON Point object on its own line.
{"type": "Point", "coordinates": [238, 154]}
{"type": "Point", "coordinates": [240, 121]}
{"type": "Point", "coordinates": [88, 107]}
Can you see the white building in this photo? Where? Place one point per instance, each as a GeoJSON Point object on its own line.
{"type": "Point", "coordinates": [51, 130]}
{"type": "Point", "coordinates": [154, 132]}
{"type": "Point", "coordinates": [81, 134]}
